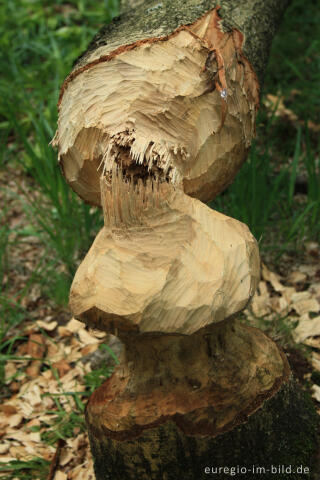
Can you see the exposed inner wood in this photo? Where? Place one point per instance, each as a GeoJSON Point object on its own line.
{"type": "Point", "coordinates": [157, 117]}
{"type": "Point", "coordinates": [164, 262]}
{"type": "Point", "coordinates": [182, 106]}
{"type": "Point", "coordinates": [206, 383]}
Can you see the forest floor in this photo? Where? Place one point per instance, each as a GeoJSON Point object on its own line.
{"type": "Point", "coordinates": [49, 362]}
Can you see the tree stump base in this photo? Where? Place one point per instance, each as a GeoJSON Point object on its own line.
{"type": "Point", "coordinates": [278, 441]}
{"type": "Point", "coordinates": [168, 406]}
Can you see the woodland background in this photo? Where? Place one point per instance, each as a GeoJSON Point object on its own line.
{"type": "Point", "coordinates": [50, 363]}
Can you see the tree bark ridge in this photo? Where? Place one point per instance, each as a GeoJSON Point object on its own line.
{"type": "Point", "coordinates": [257, 20]}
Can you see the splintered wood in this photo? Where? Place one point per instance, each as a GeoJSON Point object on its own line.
{"type": "Point", "coordinates": [182, 107]}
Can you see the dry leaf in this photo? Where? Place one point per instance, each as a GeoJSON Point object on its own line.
{"type": "Point", "coordinates": [36, 346]}
{"type": "Point", "coordinates": [62, 366]}
{"type": "Point", "coordinates": [8, 409]}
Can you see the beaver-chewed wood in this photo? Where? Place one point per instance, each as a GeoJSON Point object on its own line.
{"type": "Point", "coordinates": [155, 118]}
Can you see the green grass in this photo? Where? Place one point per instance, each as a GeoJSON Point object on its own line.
{"type": "Point", "coordinates": [40, 40]}
{"type": "Point", "coordinates": [38, 468]}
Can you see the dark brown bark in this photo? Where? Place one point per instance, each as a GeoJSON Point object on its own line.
{"type": "Point", "coordinates": [275, 442]}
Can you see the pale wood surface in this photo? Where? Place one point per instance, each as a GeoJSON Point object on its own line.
{"type": "Point", "coordinates": [164, 262]}
{"type": "Point", "coordinates": [184, 106]}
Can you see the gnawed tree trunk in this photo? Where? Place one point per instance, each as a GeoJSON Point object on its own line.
{"type": "Point", "coordinates": [156, 117]}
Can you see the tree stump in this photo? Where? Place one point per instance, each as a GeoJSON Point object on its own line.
{"type": "Point", "coordinates": [157, 117]}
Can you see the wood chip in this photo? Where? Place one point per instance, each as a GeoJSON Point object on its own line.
{"type": "Point", "coordinates": [306, 306]}
{"type": "Point", "coordinates": [60, 475]}
{"type": "Point", "coordinates": [15, 420]}
{"type": "Point", "coordinates": [307, 328]}
{"type": "Point", "coordinates": [49, 327]}
{"type": "Point", "coordinates": [297, 277]}
{"type": "Point", "coordinates": [298, 296]}
{"type": "Point", "coordinates": [9, 370]}
{"type": "Point", "coordinates": [260, 305]}
{"type": "Point", "coordinates": [4, 448]}
{"type": "Point", "coordinates": [315, 361]}
{"type": "Point", "coordinates": [316, 392]}
{"type": "Point", "coordinates": [66, 456]}
{"type": "Point", "coordinates": [74, 325]}
{"type": "Point", "coordinates": [89, 349]}
{"type": "Point", "coordinates": [313, 249]}
{"type": "Point", "coordinates": [97, 333]}
{"type": "Point", "coordinates": [309, 270]}
{"type": "Point", "coordinates": [272, 278]}
{"type": "Point", "coordinates": [86, 338]}
{"type": "Point", "coordinates": [64, 332]}
{"type": "Point", "coordinates": [7, 459]}
{"type": "Point", "coordinates": [287, 294]}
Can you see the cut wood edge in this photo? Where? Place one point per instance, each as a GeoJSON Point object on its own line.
{"type": "Point", "coordinates": [190, 117]}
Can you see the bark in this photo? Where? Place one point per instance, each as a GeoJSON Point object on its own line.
{"type": "Point", "coordinates": [276, 442]}
{"type": "Point", "coordinates": [258, 20]}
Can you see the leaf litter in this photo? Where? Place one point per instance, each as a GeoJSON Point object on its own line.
{"type": "Point", "coordinates": [295, 297]}
{"type": "Point", "coordinates": [47, 368]}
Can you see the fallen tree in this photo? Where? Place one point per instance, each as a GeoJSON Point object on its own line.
{"type": "Point", "coordinates": [155, 118]}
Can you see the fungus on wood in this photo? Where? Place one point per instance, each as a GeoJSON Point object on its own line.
{"type": "Point", "coordinates": [156, 118]}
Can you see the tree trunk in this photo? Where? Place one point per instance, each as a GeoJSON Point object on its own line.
{"type": "Point", "coordinates": [276, 442]}
{"type": "Point", "coordinates": [156, 117]}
